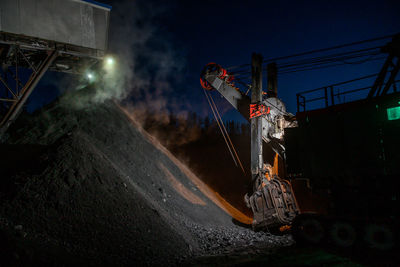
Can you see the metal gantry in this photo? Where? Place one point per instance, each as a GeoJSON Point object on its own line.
{"type": "Point", "coordinates": [15, 90]}
{"type": "Point", "coordinates": [35, 36]}
{"type": "Point", "coordinates": [390, 66]}
{"type": "Point", "coordinates": [24, 61]}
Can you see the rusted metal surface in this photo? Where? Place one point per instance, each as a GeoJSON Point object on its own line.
{"type": "Point", "coordinates": [273, 204]}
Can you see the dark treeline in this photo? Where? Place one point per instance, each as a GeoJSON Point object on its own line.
{"type": "Point", "coordinates": [205, 125]}
{"type": "Point", "coordinates": [198, 142]}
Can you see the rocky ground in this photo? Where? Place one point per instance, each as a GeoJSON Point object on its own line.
{"type": "Point", "coordinates": [82, 184]}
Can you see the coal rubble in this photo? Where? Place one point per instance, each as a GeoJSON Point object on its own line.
{"type": "Point", "coordinates": [235, 240]}
{"type": "Point", "coordinates": [88, 187]}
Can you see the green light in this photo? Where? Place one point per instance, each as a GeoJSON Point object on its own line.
{"type": "Point", "coordinates": [393, 113]}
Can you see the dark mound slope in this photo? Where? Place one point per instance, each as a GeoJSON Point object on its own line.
{"type": "Point", "coordinates": [91, 188]}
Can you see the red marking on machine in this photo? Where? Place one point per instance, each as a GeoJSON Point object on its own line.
{"type": "Point", "coordinates": [257, 110]}
{"type": "Point", "coordinates": [206, 85]}
{"type": "Point", "coordinates": [221, 73]}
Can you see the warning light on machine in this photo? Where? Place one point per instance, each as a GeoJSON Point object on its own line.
{"type": "Point", "coordinates": [393, 113]}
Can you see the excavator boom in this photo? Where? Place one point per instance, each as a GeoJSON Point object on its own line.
{"type": "Point", "coordinates": [272, 201]}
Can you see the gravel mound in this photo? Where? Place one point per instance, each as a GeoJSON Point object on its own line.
{"type": "Point", "coordinates": [92, 188]}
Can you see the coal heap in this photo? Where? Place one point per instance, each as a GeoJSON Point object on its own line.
{"type": "Point", "coordinates": [83, 184]}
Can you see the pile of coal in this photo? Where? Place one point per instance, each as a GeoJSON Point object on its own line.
{"type": "Point", "coordinates": [84, 185]}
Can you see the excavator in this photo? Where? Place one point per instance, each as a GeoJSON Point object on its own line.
{"type": "Point", "coordinates": [273, 202]}
{"type": "Point", "coordinates": [340, 160]}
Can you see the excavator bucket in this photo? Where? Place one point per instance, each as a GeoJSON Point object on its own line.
{"type": "Point", "coordinates": [273, 204]}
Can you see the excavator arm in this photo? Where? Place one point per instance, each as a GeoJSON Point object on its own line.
{"type": "Point", "coordinates": [272, 201]}
{"type": "Point", "coordinates": [271, 109]}
{"type": "Point", "coordinates": [215, 77]}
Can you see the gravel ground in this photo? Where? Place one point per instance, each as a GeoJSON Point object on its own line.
{"type": "Point", "coordinates": [227, 240]}
{"type": "Point", "coordinates": [83, 185]}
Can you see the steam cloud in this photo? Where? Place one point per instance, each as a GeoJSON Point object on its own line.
{"type": "Point", "coordinates": [148, 64]}
{"type": "Point", "coordinates": [146, 58]}
{"type": "Point", "coordinates": [147, 69]}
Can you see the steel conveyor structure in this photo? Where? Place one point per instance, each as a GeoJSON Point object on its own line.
{"type": "Point", "coordinates": [35, 36]}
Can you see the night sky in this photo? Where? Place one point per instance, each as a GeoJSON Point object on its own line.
{"type": "Point", "coordinates": [228, 32]}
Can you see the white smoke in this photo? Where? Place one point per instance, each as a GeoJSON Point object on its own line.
{"type": "Point", "coordinates": [145, 57]}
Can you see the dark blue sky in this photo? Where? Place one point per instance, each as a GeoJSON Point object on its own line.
{"type": "Point", "coordinates": [228, 32]}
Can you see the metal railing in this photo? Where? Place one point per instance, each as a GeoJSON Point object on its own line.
{"type": "Point", "coordinates": [328, 96]}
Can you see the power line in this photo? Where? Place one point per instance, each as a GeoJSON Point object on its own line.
{"type": "Point", "coordinates": [317, 66]}
{"type": "Point", "coordinates": [343, 60]}
{"type": "Point", "coordinates": [329, 61]}
{"type": "Point", "coordinates": [315, 51]}
{"type": "Point", "coordinates": [333, 56]}
{"type": "Point", "coordinates": [340, 83]}
{"type": "Point", "coordinates": [330, 48]}
{"type": "Point", "coordinates": [320, 62]}
{"type": "Point", "coordinates": [327, 58]}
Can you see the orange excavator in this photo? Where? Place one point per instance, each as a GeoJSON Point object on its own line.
{"type": "Point", "coordinates": [342, 160]}
{"type": "Point", "coordinates": [273, 202]}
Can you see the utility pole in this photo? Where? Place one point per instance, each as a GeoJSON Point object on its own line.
{"type": "Point", "coordinates": [272, 80]}
{"type": "Point", "coordinates": [256, 122]}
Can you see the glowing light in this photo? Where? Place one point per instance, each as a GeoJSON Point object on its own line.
{"type": "Point", "coordinates": [90, 76]}
{"type": "Point", "coordinates": [393, 113]}
{"type": "Point", "coordinates": [110, 61]}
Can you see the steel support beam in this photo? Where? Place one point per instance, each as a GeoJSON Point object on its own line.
{"type": "Point", "coordinates": [256, 122]}
{"type": "Point", "coordinates": [392, 77]}
{"type": "Point", "coordinates": [393, 49]}
{"type": "Point", "coordinates": [26, 91]}
{"type": "Point", "coordinates": [376, 87]}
